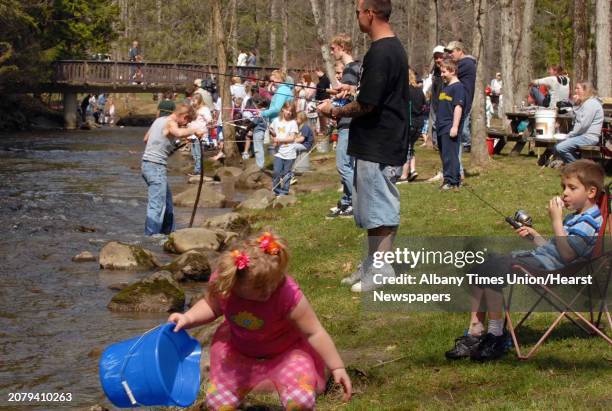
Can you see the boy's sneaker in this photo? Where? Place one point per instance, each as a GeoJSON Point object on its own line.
{"type": "Point", "coordinates": [490, 348]}
{"type": "Point", "coordinates": [293, 181]}
{"type": "Point", "coordinates": [464, 347]}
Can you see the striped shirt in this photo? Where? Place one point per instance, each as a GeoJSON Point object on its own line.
{"type": "Point", "coordinates": [582, 230]}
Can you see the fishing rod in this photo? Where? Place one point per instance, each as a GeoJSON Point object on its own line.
{"type": "Point", "coordinates": [520, 218]}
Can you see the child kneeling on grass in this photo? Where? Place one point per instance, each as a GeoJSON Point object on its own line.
{"type": "Point", "coordinates": [270, 332]}
{"type": "Point", "coordinates": [575, 237]}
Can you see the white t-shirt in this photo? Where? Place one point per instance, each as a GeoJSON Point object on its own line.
{"type": "Point", "coordinates": [559, 91]}
{"type": "Point", "coordinates": [496, 86]}
{"type": "Point", "coordinates": [283, 129]}
{"type": "Point", "coordinates": [242, 58]}
{"type": "Point", "coordinates": [203, 119]}
{"type": "Point", "coordinates": [238, 91]}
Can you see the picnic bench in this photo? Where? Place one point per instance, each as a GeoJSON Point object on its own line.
{"type": "Point", "coordinates": [565, 122]}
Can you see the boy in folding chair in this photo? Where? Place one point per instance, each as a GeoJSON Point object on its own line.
{"type": "Point", "coordinates": [574, 240]}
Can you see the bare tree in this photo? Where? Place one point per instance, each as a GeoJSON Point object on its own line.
{"type": "Point", "coordinates": [602, 41]}
{"type": "Point", "coordinates": [233, 29]}
{"type": "Point", "coordinates": [325, 54]}
{"type": "Point", "coordinates": [229, 148]}
{"type": "Point", "coordinates": [285, 12]}
{"type": "Point", "coordinates": [522, 67]}
{"type": "Point", "coordinates": [273, 28]}
{"type": "Point", "coordinates": [581, 34]}
{"type": "Point", "coordinates": [507, 54]}
{"type": "Point", "coordinates": [433, 25]}
{"type": "Point", "coordinates": [479, 155]}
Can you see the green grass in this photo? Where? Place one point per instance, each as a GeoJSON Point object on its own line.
{"type": "Point", "coordinates": [569, 372]}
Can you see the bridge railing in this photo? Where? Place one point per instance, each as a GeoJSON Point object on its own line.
{"type": "Point", "coordinates": [81, 72]}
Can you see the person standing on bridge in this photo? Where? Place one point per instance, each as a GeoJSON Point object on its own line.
{"type": "Point", "coordinates": [160, 144]}
{"type": "Point", "coordinates": [135, 56]}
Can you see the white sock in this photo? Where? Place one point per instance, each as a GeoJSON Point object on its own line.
{"type": "Point", "coordinates": [496, 327]}
{"type": "Point", "coordinates": [476, 329]}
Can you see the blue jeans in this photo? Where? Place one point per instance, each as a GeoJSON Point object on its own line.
{"type": "Point", "coordinates": [160, 214]}
{"type": "Point", "coordinates": [282, 171]}
{"type": "Point", "coordinates": [434, 128]}
{"type": "Point", "coordinates": [376, 200]}
{"type": "Point", "coordinates": [258, 148]}
{"type": "Point", "coordinates": [345, 165]}
{"type": "Point", "coordinates": [567, 149]}
{"type": "Point", "coordinates": [537, 96]}
{"type": "Point", "coordinates": [466, 132]}
{"type": "Point", "coordinates": [196, 153]}
{"type": "Point", "coordinates": [450, 151]}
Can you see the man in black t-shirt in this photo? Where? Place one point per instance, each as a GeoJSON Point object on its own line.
{"type": "Point", "coordinates": [378, 136]}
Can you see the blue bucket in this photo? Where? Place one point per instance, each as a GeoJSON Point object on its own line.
{"type": "Point", "coordinates": [159, 368]}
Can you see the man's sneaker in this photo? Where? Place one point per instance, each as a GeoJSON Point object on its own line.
{"type": "Point", "coordinates": [293, 181]}
{"type": "Point", "coordinates": [367, 280]}
{"type": "Point", "coordinates": [346, 212]}
{"type": "Point", "coordinates": [412, 176]}
{"type": "Point", "coordinates": [464, 347]}
{"type": "Point", "coordinates": [490, 348]}
{"type": "Point", "coordinates": [354, 277]}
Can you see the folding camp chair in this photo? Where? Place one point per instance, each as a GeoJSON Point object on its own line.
{"type": "Point", "coordinates": [600, 260]}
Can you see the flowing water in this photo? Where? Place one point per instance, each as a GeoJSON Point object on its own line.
{"type": "Point", "coordinates": [54, 187]}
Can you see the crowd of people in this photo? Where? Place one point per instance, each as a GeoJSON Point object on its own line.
{"type": "Point", "coordinates": [379, 108]}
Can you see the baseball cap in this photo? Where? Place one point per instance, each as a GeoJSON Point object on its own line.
{"type": "Point", "coordinates": [454, 45]}
{"type": "Point", "coordinates": [438, 49]}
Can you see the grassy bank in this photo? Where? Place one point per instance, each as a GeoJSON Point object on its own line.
{"type": "Point", "coordinates": [397, 360]}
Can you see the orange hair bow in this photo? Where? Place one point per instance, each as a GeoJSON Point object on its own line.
{"type": "Point", "coordinates": [268, 244]}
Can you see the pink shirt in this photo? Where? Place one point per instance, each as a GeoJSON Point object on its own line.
{"type": "Point", "coordinates": [263, 329]}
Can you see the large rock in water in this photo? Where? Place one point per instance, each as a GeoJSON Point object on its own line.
{"type": "Point", "coordinates": [253, 178]}
{"type": "Point", "coordinates": [196, 180]}
{"type": "Point", "coordinates": [119, 256]}
{"type": "Point", "coordinates": [259, 200]}
{"type": "Point", "coordinates": [187, 239]}
{"type": "Point", "coordinates": [208, 198]}
{"type": "Point", "coordinates": [229, 222]}
{"type": "Point", "coordinates": [158, 293]}
{"type": "Point", "coordinates": [227, 172]}
{"type": "Point", "coordinates": [193, 265]}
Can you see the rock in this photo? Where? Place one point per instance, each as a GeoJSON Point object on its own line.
{"type": "Point", "coordinates": [208, 198]}
{"type": "Point", "coordinates": [95, 352]}
{"type": "Point", "coordinates": [117, 286]}
{"type": "Point", "coordinates": [229, 221]}
{"type": "Point", "coordinates": [193, 265]}
{"type": "Point", "coordinates": [196, 180]}
{"type": "Point", "coordinates": [158, 293]}
{"type": "Point", "coordinates": [284, 201]}
{"type": "Point", "coordinates": [259, 200]}
{"type": "Point", "coordinates": [227, 172]}
{"type": "Point", "coordinates": [84, 257]}
{"type": "Point", "coordinates": [253, 178]}
{"type": "Point", "coordinates": [187, 239]}
{"type": "Point", "coordinates": [85, 229]}
{"type": "Point", "coordinates": [98, 407]}
{"type": "Point", "coordinates": [119, 256]}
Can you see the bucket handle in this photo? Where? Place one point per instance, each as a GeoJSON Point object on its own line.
{"type": "Point", "coordinates": [124, 383]}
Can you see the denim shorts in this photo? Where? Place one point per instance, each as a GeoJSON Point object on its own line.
{"type": "Point", "coordinates": [376, 200]}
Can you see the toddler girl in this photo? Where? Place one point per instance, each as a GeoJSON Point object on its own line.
{"type": "Point", "coordinates": [270, 332]}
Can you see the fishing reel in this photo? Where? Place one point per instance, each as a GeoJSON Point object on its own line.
{"type": "Point", "coordinates": [521, 219]}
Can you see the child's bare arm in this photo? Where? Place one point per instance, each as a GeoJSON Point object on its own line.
{"type": "Point", "coordinates": [525, 231]}
{"type": "Point", "coordinates": [555, 210]}
{"type": "Point", "coordinates": [454, 131]}
{"type": "Point", "coordinates": [203, 312]}
{"type": "Point", "coordinates": [307, 322]}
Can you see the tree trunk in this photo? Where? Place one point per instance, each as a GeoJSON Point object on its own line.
{"type": "Point", "coordinates": [330, 18]}
{"type": "Point", "coordinates": [523, 71]}
{"type": "Point", "coordinates": [591, 52]}
{"type": "Point", "coordinates": [233, 30]}
{"type": "Point", "coordinates": [323, 43]}
{"type": "Point", "coordinates": [581, 35]}
{"type": "Point", "coordinates": [285, 12]}
{"type": "Point", "coordinates": [479, 154]}
{"type": "Point", "coordinates": [273, 28]}
{"type": "Point", "coordinates": [158, 6]}
{"type": "Point", "coordinates": [433, 26]}
{"type": "Point", "coordinates": [507, 60]}
{"type": "Point", "coordinates": [229, 147]}
{"type": "Point", "coordinates": [602, 41]}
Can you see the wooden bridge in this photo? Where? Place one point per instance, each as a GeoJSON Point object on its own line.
{"type": "Point", "coordinates": [79, 76]}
